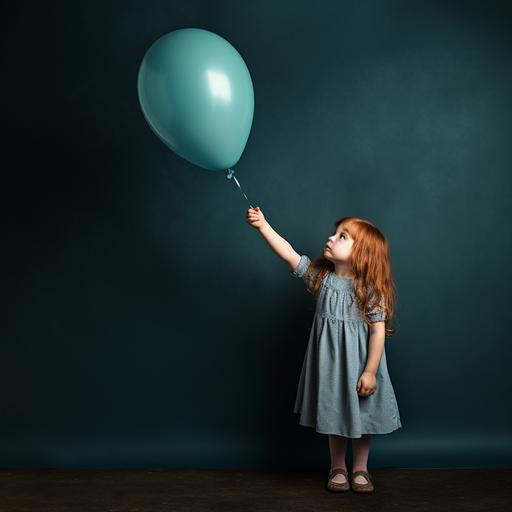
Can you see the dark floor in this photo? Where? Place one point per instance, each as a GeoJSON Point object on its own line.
{"type": "Point", "coordinates": [411, 490]}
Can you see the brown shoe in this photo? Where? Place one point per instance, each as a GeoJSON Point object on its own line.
{"type": "Point", "coordinates": [367, 487]}
{"type": "Point", "coordinates": [334, 486]}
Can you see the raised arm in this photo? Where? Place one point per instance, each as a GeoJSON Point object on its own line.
{"type": "Point", "coordinates": [279, 245]}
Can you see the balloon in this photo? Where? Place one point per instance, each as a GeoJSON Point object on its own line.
{"type": "Point", "coordinates": [196, 94]}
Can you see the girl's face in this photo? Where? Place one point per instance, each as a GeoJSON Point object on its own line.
{"type": "Point", "coordinates": [339, 246]}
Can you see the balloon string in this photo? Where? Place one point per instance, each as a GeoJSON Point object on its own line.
{"type": "Point", "coordinates": [231, 174]}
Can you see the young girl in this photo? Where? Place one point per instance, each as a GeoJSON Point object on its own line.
{"type": "Point", "coordinates": [344, 389]}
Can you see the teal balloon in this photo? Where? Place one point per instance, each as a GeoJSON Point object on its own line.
{"type": "Point", "coordinates": [196, 93]}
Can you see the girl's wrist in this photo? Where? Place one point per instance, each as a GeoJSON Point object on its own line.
{"type": "Point", "coordinates": [265, 225]}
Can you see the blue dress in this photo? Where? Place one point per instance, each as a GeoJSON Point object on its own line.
{"type": "Point", "coordinates": [335, 358]}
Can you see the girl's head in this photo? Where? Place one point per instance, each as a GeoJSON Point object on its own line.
{"type": "Point", "coordinates": [358, 246]}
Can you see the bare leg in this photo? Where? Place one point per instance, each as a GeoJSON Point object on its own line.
{"type": "Point", "coordinates": [338, 449]}
{"type": "Point", "coordinates": [360, 451]}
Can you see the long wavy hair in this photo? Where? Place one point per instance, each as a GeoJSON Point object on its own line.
{"type": "Point", "coordinates": [371, 265]}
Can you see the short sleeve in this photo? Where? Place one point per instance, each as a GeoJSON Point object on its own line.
{"type": "Point", "coordinates": [378, 312]}
{"type": "Point", "coordinates": [306, 271]}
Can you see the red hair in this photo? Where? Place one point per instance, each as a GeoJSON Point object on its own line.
{"type": "Point", "coordinates": [371, 266]}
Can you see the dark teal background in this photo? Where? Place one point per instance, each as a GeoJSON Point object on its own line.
{"type": "Point", "coordinates": [146, 324]}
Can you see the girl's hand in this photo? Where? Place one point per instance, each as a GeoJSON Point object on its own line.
{"type": "Point", "coordinates": [367, 384]}
{"type": "Point", "coordinates": [255, 217]}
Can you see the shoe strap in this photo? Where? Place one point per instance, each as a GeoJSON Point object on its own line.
{"type": "Point", "coordinates": [337, 471]}
{"type": "Point", "coordinates": [362, 473]}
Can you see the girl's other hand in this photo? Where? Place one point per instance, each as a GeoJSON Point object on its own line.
{"type": "Point", "coordinates": [255, 217]}
{"type": "Point", "coordinates": [367, 384]}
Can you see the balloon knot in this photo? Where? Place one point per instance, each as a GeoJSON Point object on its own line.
{"type": "Point", "coordinates": [230, 173]}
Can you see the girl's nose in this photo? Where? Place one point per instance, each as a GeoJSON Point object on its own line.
{"type": "Point", "coordinates": [332, 238]}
